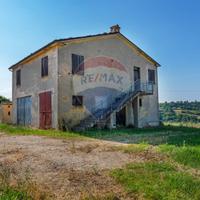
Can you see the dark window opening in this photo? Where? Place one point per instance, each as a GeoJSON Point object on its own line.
{"type": "Point", "coordinates": [18, 77]}
{"type": "Point", "coordinates": [77, 64]}
{"type": "Point", "coordinates": [140, 102]}
{"type": "Point", "coordinates": [44, 66]}
{"type": "Point", "coordinates": [9, 113]}
{"type": "Point", "coordinates": [77, 100]}
{"type": "Point", "coordinates": [136, 73]}
{"type": "Point", "coordinates": [151, 74]}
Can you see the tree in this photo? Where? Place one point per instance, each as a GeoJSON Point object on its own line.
{"type": "Point", "coordinates": [3, 99]}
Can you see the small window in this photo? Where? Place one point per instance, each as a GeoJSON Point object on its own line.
{"type": "Point", "coordinates": [151, 74]}
{"type": "Point", "coordinates": [77, 100]}
{"type": "Point", "coordinates": [18, 77]}
{"type": "Point", "coordinates": [140, 102]}
{"type": "Point", "coordinates": [77, 64]}
{"type": "Point", "coordinates": [9, 113]}
{"type": "Point", "coordinates": [44, 66]}
{"type": "Point", "coordinates": [136, 73]}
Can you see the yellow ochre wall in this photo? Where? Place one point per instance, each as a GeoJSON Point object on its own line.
{"type": "Point", "coordinates": [6, 113]}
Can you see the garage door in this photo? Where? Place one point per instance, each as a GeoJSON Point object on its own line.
{"type": "Point", "coordinates": [24, 111]}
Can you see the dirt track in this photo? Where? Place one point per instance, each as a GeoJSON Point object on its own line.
{"type": "Point", "coordinates": [65, 169]}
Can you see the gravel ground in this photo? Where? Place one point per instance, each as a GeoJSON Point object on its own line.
{"type": "Point", "coordinates": [64, 168]}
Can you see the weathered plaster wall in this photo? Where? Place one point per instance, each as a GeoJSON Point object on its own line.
{"type": "Point", "coordinates": [112, 47]}
{"type": "Point", "coordinates": [149, 112]}
{"type": "Point", "coordinates": [32, 84]}
{"type": "Point", "coordinates": [6, 113]}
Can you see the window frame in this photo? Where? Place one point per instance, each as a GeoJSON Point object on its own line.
{"type": "Point", "coordinates": [77, 64]}
{"type": "Point", "coordinates": [136, 69]}
{"type": "Point", "coordinates": [77, 100]}
{"type": "Point", "coordinates": [18, 78]}
{"type": "Point", "coordinates": [44, 66]}
{"type": "Point", "coordinates": [152, 75]}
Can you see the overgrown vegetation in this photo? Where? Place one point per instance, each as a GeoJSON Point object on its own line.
{"type": "Point", "coordinates": [177, 135]}
{"type": "Point", "coordinates": [19, 130]}
{"type": "Point", "coordinates": [186, 155]}
{"type": "Point", "coordinates": [180, 111]}
{"type": "Point", "coordinates": [158, 181]}
{"type": "Point", "coordinates": [22, 189]}
{"type": "Point", "coordinates": [4, 99]}
{"type": "Point", "coordinates": [168, 172]}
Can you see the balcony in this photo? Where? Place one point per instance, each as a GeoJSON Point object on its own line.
{"type": "Point", "coordinates": [145, 88]}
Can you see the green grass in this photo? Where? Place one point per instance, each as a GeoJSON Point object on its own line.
{"type": "Point", "coordinates": [12, 194]}
{"type": "Point", "coordinates": [183, 124]}
{"type": "Point", "coordinates": [164, 134]}
{"type": "Point", "coordinates": [17, 130]}
{"type": "Point", "coordinates": [186, 155]}
{"type": "Point", "coordinates": [150, 180]}
{"type": "Point", "coordinates": [157, 181]}
{"type": "Point", "coordinates": [150, 130]}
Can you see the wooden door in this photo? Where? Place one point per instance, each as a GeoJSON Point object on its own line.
{"type": "Point", "coordinates": [45, 110]}
{"type": "Point", "coordinates": [24, 105]}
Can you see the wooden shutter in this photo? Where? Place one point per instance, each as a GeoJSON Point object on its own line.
{"type": "Point", "coordinates": [77, 64]}
{"type": "Point", "coordinates": [74, 63]}
{"type": "Point", "coordinates": [81, 65]}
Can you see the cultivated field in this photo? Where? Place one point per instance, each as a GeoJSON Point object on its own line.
{"type": "Point", "coordinates": [161, 163]}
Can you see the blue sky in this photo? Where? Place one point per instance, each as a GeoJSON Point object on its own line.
{"type": "Point", "coordinates": [169, 31]}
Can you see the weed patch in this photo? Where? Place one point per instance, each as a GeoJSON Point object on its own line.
{"type": "Point", "coordinates": [157, 181]}
{"type": "Point", "coordinates": [186, 155]}
{"type": "Point", "coordinates": [18, 130]}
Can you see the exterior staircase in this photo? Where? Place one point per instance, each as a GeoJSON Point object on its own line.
{"type": "Point", "coordinates": [100, 116]}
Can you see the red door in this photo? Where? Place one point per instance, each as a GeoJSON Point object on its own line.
{"type": "Point", "coordinates": [45, 110]}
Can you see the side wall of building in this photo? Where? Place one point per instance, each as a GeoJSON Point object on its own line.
{"type": "Point", "coordinates": [6, 113]}
{"type": "Point", "coordinates": [32, 84]}
{"type": "Point", "coordinates": [114, 48]}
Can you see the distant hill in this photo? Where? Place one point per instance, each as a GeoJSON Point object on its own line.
{"type": "Point", "coordinates": [180, 111]}
{"type": "Point", "coordinates": [3, 99]}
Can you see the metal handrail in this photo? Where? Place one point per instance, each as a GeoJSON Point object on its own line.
{"type": "Point", "coordinates": [134, 88]}
{"type": "Point", "coordinates": [97, 114]}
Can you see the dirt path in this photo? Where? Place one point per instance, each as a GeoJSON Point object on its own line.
{"type": "Point", "coordinates": [65, 169]}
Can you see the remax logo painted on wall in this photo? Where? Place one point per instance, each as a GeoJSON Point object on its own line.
{"type": "Point", "coordinates": [103, 79]}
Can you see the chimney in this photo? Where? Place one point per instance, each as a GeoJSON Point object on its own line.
{"type": "Point", "coordinates": [115, 29]}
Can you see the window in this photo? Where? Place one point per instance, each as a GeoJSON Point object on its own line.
{"type": "Point", "coordinates": [77, 64]}
{"type": "Point", "coordinates": [9, 113]}
{"type": "Point", "coordinates": [140, 102]}
{"type": "Point", "coordinates": [44, 66]}
{"type": "Point", "coordinates": [136, 73]}
{"type": "Point", "coordinates": [77, 100]}
{"type": "Point", "coordinates": [151, 74]}
{"type": "Point", "coordinates": [18, 77]}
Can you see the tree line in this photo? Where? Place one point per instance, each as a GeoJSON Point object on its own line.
{"type": "Point", "coordinates": [180, 111]}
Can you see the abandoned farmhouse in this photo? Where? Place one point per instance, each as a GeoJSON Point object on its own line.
{"type": "Point", "coordinates": [101, 80]}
